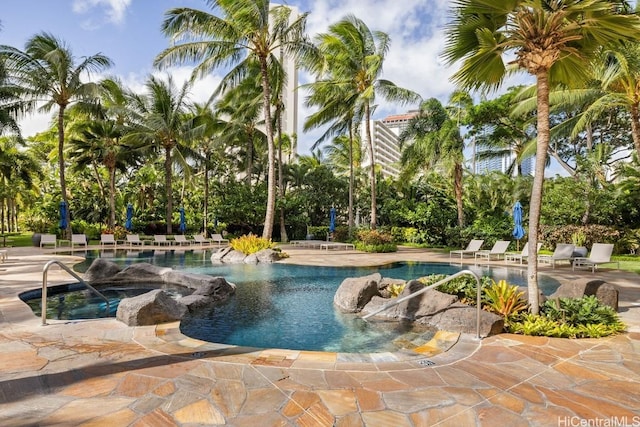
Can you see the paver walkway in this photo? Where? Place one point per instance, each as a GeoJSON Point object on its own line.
{"type": "Point", "coordinates": [102, 373]}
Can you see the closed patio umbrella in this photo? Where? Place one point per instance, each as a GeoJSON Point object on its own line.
{"type": "Point", "coordinates": [518, 230]}
{"type": "Point", "coordinates": [63, 215]}
{"type": "Point", "coordinates": [332, 220]}
{"type": "Point", "coordinates": [129, 223]}
{"type": "Point", "coordinates": [183, 221]}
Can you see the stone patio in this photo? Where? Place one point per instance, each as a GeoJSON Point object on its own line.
{"type": "Point", "coordinates": [103, 373]}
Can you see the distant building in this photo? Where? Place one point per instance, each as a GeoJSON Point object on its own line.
{"type": "Point", "coordinates": [501, 164]}
{"type": "Point", "coordinates": [398, 122]}
{"type": "Point", "coordinates": [386, 150]}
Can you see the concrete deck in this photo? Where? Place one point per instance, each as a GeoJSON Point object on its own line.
{"type": "Point", "coordinates": [102, 373]}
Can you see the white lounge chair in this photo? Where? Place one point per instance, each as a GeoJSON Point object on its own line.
{"type": "Point", "coordinates": [497, 251]}
{"type": "Point", "coordinates": [563, 252]}
{"type": "Point", "coordinates": [79, 239]}
{"type": "Point", "coordinates": [107, 240]}
{"type": "Point", "coordinates": [201, 240]}
{"type": "Point", "coordinates": [600, 254]}
{"type": "Point", "coordinates": [181, 239]}
{"type": "Point", "coordinates": [161, 240]}
{"type": "Point", "coordinates": [48, 239]}
{"type": "Point", "coordinates": [217, 238]}
{"type": "Point", "coordinates": [520, 256]}
{"type": "Point", "coordinates": [473, 247]}
{"type": "Point", "coordinates": [134, 240]}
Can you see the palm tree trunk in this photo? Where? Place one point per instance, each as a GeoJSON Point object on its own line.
{"type": "Point", "coordinates": [351, 180]}
{"type": "Point", "coordinates": [112, 196]}
{"type": "Point", "coordinates": [457, 184]}
{"type": "Point", "coordinates": [635, 127]}
{"type": "Point", "coordinates": [372, 173]}
{"type": "Point", "coordinates": [283, 229]}
{"type": "Point", "coordinates": [271, 175]}
{"type": "Point", "coordinates": [205, 208]}
{"type": "Point", "coordinates": [63, 182]}
{"type": "Point", "coordinates": [536, 190]}
{"type": "Point", "coordinates": [168, 189]}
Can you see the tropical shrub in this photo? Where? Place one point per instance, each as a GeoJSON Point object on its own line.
{"type": "Point", "coordinates": [395, 289]}
{"type": "Point", "coordinates": [569, 318]}
{"type": "Point", "coordinates": [588, 234]}
{"type": "Point", "coordinates": [504, 299]}
{"type": "Point", "coordinates": [250, 244]}
{"type": "Point", "coordinates": [375, 241]}
{"type": "Point", "coordinates": [119, 232]}
{"type": "Point", "coordinates": [463, 287]}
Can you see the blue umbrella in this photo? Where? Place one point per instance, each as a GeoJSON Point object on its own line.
{"type": "Point", "coordinates": [63, 215]}
{"type": "Point", "coordinates": [183, 221]}
{"type": "Point", "coordinates": [518, 231]}
{"type": "Point", "coordinates": [128, 224]}
{"type": "Point", "coordinates": [332, 220]}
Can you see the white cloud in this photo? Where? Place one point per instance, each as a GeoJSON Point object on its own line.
{"type": "Point", "coordinates": [115, 10]}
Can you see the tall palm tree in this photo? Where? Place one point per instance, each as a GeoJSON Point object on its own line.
{"type": "Point", "coordinates": [50, 77]}
{"type": "Point", "coordinates": [552, 40]}
{"type": "Point", "coordinates": [246, 31]}
{"type": "Point", "coordinates": [353, 57]}
{"type": "Point", "coordinates": [160, 124]}
{"type": "Point", "coordinates": [435, 141]}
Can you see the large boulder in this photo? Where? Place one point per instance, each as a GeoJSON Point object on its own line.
{"type": "Point", "coordinates": [216, 289]}
{"type": "Point", "coordinates": [355, 292]}
{"type": "Point", "coordinates": [233, 257]}
{"type": "Point", "coordinates": [606, 293]}
{"type": "Point", "coordinates": [425, 304]}
{"type": "Point", "coordinates": [101, 269]}
{"type": "Point", "coordinates": [150, 308]}
{"type": "Point", "coordinates": [220, 253]}
{"type": "Point", "coordinates": [463, 318]}
{"type": "Point", "coordinates": [265, 256]}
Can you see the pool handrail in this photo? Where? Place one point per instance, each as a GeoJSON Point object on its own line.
{"type": "Point", "coordinates": [438, 283]}
{"type": "Point", "coordinates": [75, 276]}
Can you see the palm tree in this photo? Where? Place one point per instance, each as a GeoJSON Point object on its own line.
{"type": "Point", "coordinates": [48, 73]}
{"type": "Point", "coordinates": [552, 40]}
{"type": "Point", "coordinates": [353, 57]}
{"type": "Point", "coordinates": [161, 125]}
{"type": "Point", "coordinates": [247, 31]}
{"type": "Point", "coordinates": [435, 140]}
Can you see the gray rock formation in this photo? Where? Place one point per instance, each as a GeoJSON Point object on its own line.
{"type": "Point", "coordinates": [355, 292]}
{"type": "Point", "coordinates": [150, 308]}
{"type": "Point", "coordinates": [230, 256]}
{"type": "Point", "coordinates": [606, 293]}
{"type": "Point", "coordinates": [462, 318]}
{"type": "Point", "coordinates": [101, 269]}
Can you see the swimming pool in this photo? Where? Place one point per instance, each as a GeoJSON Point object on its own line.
{"type": "Point", "coordinates": [291, 306]}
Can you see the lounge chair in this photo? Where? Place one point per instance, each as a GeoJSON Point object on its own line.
{"type": "Point", "coordinates": [134, 240]}
{"type": "Point", "coordinates": [473, 247]}
{"type": "Point", "coordinates": [497, 251]}
{"type": "Point", "coordinates": [79, 239]}
{"type": "Point", "coordinates": [520, 256]}
{"type": "Point", "coordinates": [107, 240]}
{"type": "Point", "coordinates": [563, 252]}
{"type": "Point", "coordinates": [161, 240]}
{"type": "Point", "coordinates": [218, 239]}
{"type": "Point", "coordinates": [600, 254]}
{"type": "Point", "coordinates": [201, 240]}
{"type": "Point", "coordinates": [48, 239]}
{"type": "Point", "coordinates": [181, 239]}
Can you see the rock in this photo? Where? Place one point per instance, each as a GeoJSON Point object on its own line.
{"type": "Point", "coordinates": [354, 293]}
{"type": "Point", "coordinates": [194, 302]}
{"type": "Point", "coordinates": [101, 269]}
{"type": "Point", "coordinates": [217, 256]}
{"type": "Point", "coordinates": [267, 256]}
{"type": "Point", "coordinates": [462, 318]}
{"type": "Point", "coordinates": [426, 304]}
{"type": "Point", "coordinates": [150, 309]}
{"type": "Point", "coordinates": [141, 272]}
{"type": "Point", "coordinates": [233, 257]}
{"type": "Point", "coordinates": [216, 289]}
{"type": "Point", "coordinates": [606, 293]}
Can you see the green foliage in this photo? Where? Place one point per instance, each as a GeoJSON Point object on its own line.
{"type": "Point", "coordinates": [375, 241]}
{"type": "Point", "coordinates": [579, 238]}
{"type": "Point", "coordinates": [250, 243]}
{"type": "Point", "coordinates": [463, 287]}
{"type": "Point", "coordinates": [395, 290]}
{"type": "Point", "coordinates": [92, 230]}
{"type": "Point", "coordinates": [552, 235]}
{"type": "Point", "coordinates": [504, 299]}
{"type": "Point", "coordinates": [569, 318]}
{"type": "Point", "coordinates": [119, 232]}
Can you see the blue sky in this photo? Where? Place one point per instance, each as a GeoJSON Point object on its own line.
{"type": "Point", "coordinates": [128, 31]}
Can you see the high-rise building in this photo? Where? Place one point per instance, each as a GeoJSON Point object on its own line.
{"type": "Point", "coordinates": [398, 122]}
{"type": "Point", "coordinates": [386, 150]}
{"type": "Point", "coordinates": [501, 164]}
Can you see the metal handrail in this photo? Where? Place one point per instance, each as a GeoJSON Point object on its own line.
{"type": "Point", "coordinates": [421, 291]}
{"type": "Point", "coordinates": [75, 276]}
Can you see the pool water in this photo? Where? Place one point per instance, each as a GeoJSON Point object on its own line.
{"type": "Point", "coordinates": [291, 307]}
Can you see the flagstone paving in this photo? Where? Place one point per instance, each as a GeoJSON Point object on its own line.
{"type": "Point", "coordinates": [103, 373]}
